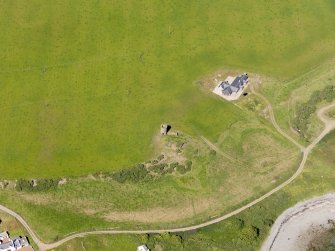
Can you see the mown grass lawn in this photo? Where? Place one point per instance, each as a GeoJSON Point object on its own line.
{"type": "Point", "coordinates": [85, 85]}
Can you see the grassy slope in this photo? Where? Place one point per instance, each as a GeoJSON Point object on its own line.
{"type": "Point", "coordinates": [285, 96]}
{"type": "Point", "coordinates": [318, 178]}
{"type": "Point", "coordinates": [78, 70]}
{"type": "Point", "coordinates": [120, 242]}
{"type": "Point", "coordinates": [84, 85]}
{"type": "Point", "coordinates": [209, 189]}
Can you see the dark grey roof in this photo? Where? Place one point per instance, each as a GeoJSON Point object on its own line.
{"type": "Point", "coordinates": [20, 241]}
{"type": "Point", "coordinates": [224, 84]}
{"type": "Point", "coordinates": [244, 77]}
{"type": "Point", "coordinates": [227, 91]}
{"type": "Point", "coordinates": [240, 80]}
{"type": "Point", "coordinates": [237, 82]}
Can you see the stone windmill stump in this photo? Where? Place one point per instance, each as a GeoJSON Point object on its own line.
{"type": "Point", "coordinates": [165, 129]}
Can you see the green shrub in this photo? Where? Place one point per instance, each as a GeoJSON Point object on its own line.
{"type": "Point", "coordinates": [173, 165]}
{"type": "Point", "coordinates": [181, 169]}
{"type": "Point", "coordinates": [159, 168]}
{"type": "Point", "coordinates": [46, 184]}
{"type": "Point", "coordinates": [24, 185]}
{"type": "Point", "coordinates": [135, 174]}
{"type": "Point", "coordinates": [212, 152]}
{"type": "Point", "coordinates": [305, 110]}
{"type": "Point", "coordinates": [249, 234]}
{"type": "Point", "coordinates": [169, 169]}
{"type": "Point", "coordinates": [168, 241]}
{"type": "Point", "coordinates": [41, 185]}
{"type": "Point", "coordinates": [188, 164]}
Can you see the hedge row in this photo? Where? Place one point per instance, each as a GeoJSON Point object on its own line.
{"type": "Point", "coordinates": [41, 185]}
{"type": "Point", "coordinates": [141, 173]}
{"type": "Point", "coordinates": [134, 174]}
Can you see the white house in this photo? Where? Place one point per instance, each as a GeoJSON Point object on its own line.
{"type": "Point", "coordinates": [13, 244]}
{"type": "Point", "coordinates": [143, 248]}
{"type": "Point", "coordinates": [4, 237]}
{"type": "Point", "coordinates": [7, 246]}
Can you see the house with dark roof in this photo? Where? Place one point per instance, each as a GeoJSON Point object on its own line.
{"type": "Point", "coordinates": [20, 242]}
{"type": "Point", "coordinates": [237, 84]}
{"type": "Point", "coordinates": [232, 87]}
{"type": "Point", "coordinates": [12, 244]}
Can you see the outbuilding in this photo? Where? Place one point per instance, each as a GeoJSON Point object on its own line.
{"type": "Point", "coordinates": [143, 248]}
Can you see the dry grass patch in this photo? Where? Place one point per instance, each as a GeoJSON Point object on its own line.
{"type": "Point", "coordinates": [164, 215]}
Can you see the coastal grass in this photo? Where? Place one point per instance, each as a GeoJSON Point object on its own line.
{"type": "Point", "coordinates": [331, 114]}
{"type": "Point", "coordinates": [247, 230]}
{"type": "Point", "coordinates": [255, 160]}
{"type": "Point", "coordinates": [85, 85]}
{"type": "Point", "coordinates": [104, 242]}
{"type": "Point", "coordinates": [287, 96]}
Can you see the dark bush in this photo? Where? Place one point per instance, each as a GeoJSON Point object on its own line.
{"type": "Point", "coordinates": [268, 222]}
{"type": "Point", "coordinates": [188, 164]}
{"type": "Point", "coordinates": [135, 174]}
{"type": "Point", "coordinates": [305, 110]}
{"type": "Point", "coordinates": [169, 169]}
{"type": "Point", "coordinates": [24, 185]}
{"type": "Point", "coordinates": [159, 168]}
{"type": "Point", "coordinates": [174, 165]}
{"type": "Point", "coordinates": [181, 169]}
{"type": "Point", "coordinates": [46, 184]}
{"type": "Point", "coordinates": [212, 152]}
{"type": "Point", "coordinates": [41, 185]}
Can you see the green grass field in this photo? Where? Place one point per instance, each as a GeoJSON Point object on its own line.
{"type": "Point", "coordinates": [85, 85]}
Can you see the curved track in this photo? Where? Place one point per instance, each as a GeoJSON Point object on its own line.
{"type": "Point", "coordinates": [329, 125]}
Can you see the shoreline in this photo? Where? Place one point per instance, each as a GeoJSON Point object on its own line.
{"type": "Point", "coordinates": [297, 227]}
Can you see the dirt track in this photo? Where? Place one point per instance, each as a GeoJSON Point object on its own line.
{"type": "Point", "coordinates": [273, 120]}
{"type": "Point", "coordinates": [329, 125]}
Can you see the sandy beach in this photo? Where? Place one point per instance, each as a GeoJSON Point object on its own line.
{"type": "Point", "coordinates": [300, 225]}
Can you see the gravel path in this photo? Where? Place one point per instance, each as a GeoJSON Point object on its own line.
{"type": "Point", "coordinates": [298, 225]}
{"type": "Point", "coordinates": [329, 125]}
